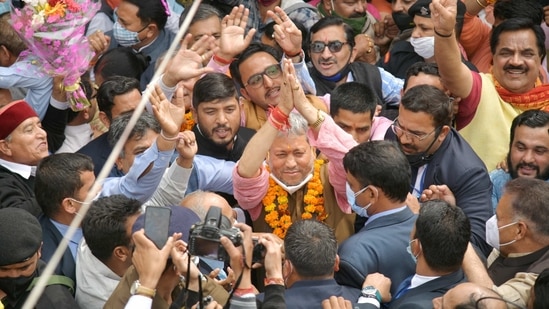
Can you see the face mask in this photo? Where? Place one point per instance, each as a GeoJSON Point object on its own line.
{"type": "Point", "coordinates": [403, 21]}
{"type": "Point", "coordinates": [359, 210]}
{"type": "Point", "coordinates": [125, 37]}
{"type": "Point", "coordinates": [15, 287]}
{"type": "Point", "coordinates": [492, 233]}
{"type": "Point", "coordinates": [425, 46]}
{"type": "Point", "coordinates": [291, 189]}
{"type": "Point", "coordinates": [357, 23]}
{"type": "Point", "coordinates": [409, 250]}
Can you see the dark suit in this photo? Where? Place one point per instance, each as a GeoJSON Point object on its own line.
{"type": "Point", "coordinates": [456, 165]}
{"type": "Point", "coordinates": [380, 246]}
{"type": "Point", "coordinates": [99, 150]}
{"type": "Point", "coordinates": [16, 191]}
{"type": "Point", "coordinates": [310, 293]}
{"type": "Point", "coordinates": [51, 238]}
{"type": "Point", "coordinates": [422, 296]}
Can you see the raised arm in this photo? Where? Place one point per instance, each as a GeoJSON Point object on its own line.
{"type": "Point", "coordinates": [455, 75]}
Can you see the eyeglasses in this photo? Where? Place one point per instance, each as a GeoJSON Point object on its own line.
{"type": "Point", "coordinates": [333, 46]}
{"type": "Point", "coordinates": [256, 80]}
{"type": "Point", "coordinates": [398, 130]}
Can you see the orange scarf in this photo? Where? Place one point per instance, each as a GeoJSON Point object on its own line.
{"type": "Point", "coordinates": [537, 98]}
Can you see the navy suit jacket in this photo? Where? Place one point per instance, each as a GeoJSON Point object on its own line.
{"type": "Point", "coordinates": [51, 238]}
{"type": "Point", "coordinates": [456, 165]}
{"type": "Point", "coordinates": [422, 296]}
{"type": "Point", "coordinates": [307, 294]}
{"type": "Point", "coordinates": [99, 150]}
{"type": "Point", "coordinates": [380, 246]}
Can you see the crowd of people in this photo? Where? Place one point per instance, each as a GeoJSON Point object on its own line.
{"type": "Point", "coordinates": [292, 154]}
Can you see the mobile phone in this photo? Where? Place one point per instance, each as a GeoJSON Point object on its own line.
{"type": "Point", "coordinates": [157, 223]}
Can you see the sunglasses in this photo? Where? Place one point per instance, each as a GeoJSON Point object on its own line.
{"type": "Point", "coordinates": [333, 46]}
{"type": "Point", "coordinates": [256, 80]}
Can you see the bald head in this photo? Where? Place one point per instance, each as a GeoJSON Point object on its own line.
{"type": "Point", "coordinates": [201, 201]}
{"type": "Point", "coordinates": [468, 294]}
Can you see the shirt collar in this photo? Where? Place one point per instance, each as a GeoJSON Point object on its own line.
{"type": "Point", "coordinates": [22, 170]}
{"type": "Point", "coordinates": [384, 213]}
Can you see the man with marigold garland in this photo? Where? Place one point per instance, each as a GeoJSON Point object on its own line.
{"type": "Point", "coordinates": [292, 184]}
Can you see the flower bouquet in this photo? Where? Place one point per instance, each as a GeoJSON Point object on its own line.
{"type": "Point", "coordinates": [54, 32]}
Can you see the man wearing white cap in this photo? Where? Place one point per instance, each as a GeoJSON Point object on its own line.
{"type": "Point", "coordinates": [23, 144]}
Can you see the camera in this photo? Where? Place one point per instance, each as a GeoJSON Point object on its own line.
{"type": "Point", "coordinates": [204, 236]}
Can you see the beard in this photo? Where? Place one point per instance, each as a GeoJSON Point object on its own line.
{"type": "Point", "coordinates": [513, 170]}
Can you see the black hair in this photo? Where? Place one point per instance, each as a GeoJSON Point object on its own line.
{"type": "Point", "coordinates": [151, 11]}
{"type": "Point", "coordinates": [444, 232]}
{"type": "Point", "coordinates": [382, 164]}
{"type": "Point", "coordinates": [430, 100]}
{"type": "Point", "coordinates": [104, 226]}
{"type": "Point", "coordinates": [112, 87]}
{"type": "Point", "coordinates": [355, 97]}
{"type": "Point", "coordinates": [247, 53]}
{"type": "Point", "coordinates": [211, 87]}
{"type": "Point", "coordinates": [58, 177]}
{"type": "Point", "coordinates": [121, 61]}
{"type": "Point", "coordinates": [516, 24]}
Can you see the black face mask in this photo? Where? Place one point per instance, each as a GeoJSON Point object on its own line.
{"type": "Point", "coordinates": [417, 160]}
{"type": "Point", "coordinates": [16, 287]}
{"type": "Point", "coordinates": [403, 20]}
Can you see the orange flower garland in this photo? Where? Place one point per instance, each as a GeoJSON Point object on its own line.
{"type": "Point", "coordinates": [189, 121]}
{"type": "Point", "coordinates": [275, 202]}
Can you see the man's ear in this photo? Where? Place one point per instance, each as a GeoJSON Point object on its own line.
{"type": "Point", "coordinates": [5, 148]}
{"type": "Point", "coordinates": [245, 94]}
{"type": "Point", "coordinates": [104, 119]}
{"type": "Point", "coordinates": [327, 4]}
{"type": "Point", "coordinates": [40, 250]}
{"type": "Point", "coordinates": [443, 133]}
{"type": "Point", "coordinates": [122, 253]}
{"type": "Point", "coordinates": [336, 264]}
{"type": "Point", "coordinates": [119, 164]}
{"type": "Point", "coordinates": [68, 206]}
{"type": "Point", "coordinates": [522, 230]}
{"type": "Point", "coordinates": [152, 29]}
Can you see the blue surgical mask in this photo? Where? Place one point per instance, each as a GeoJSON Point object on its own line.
{"type": "Point", "coordinates": [125, 37]}
{"type": "Point", "coordinates": [351, 199]}
{"type": "Point", "coordinates": [409, 250]}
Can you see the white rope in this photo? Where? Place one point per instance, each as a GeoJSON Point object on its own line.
{"type": "Point", "coordinates": [96, 188]}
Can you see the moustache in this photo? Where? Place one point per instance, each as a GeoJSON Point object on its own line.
{"type": "Point", "coordinates": [528, 165]}
{"type": "Point", "coordinates": [221, 128]}
{"type": "Point", "coordinates": [515, 67]}
{"type": "Point", "coordinates": [358, 15]}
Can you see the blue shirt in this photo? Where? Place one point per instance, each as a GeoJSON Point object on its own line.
{"type": "Point", "coordinates": [76, 237]}
{"type": "Point", "coordinates": [135, 184]}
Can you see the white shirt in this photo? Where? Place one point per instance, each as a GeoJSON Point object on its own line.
{"type": "Point", "coordinates": [22, 170]}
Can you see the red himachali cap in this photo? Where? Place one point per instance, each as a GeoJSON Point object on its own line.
{"type": "Point", "coordinates": [12, 115]}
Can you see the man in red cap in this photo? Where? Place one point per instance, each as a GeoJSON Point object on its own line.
{"type": "Point", "coordinates": [22, 145]}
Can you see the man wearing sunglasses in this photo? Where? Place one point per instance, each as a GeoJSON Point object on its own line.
{"type": "Point", "coordinates": [439, 155]}
{"type": "Point", "coordinates": [332, 51]}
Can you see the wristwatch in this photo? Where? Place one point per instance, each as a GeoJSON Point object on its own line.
{"type": "Point", "coordinates": [138, 289]}
{"type": "Point", "coordinates": [371, 292]}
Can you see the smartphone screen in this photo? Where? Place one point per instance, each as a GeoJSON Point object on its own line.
{"type": "Point", "coordinates": [157, 223]}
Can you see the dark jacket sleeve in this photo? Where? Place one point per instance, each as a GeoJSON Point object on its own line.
{"type": "Point", "coordinates": [274, 297]}
{"type": "Point", "coordinates": [54, 124]}
{"type": "Point", "coordinates": [15, 193]}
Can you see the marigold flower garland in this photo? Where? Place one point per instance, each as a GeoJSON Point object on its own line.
{"type": "Point", "coordinates": [189, 121]}
{"type": "Point", "coordinates": [278, 216]}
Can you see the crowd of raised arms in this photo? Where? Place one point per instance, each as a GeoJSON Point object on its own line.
{"type": "Point", "coordinates": [329, 154]}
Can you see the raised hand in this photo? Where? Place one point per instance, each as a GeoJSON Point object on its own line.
{"type": "Point", "coordinates": [381, 283]}
{"type": "Point", "coordinates": [186, 65]}
{"type": "Point", "coordinates": [286, 33]}
{"type": "Point", "coordinates": [233, 39]}
{"type": "Point", "coordinates": [186, 145]}
{"type": "Point", "coordinates": [438, 192]}
{"type": "Point", "coordinates": [443, 15]}
{"type": "Point", "coordinates": [169, 115]}
{"type": "Point", "coordinates": [99, 42]}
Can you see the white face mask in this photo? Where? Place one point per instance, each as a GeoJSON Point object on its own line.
{"type": "Point", "coordinates": [424, 46]}
{"type": "Point", "coordinates": [291, 189]}
{"type": "Point", "coordinates": [492, 233]}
